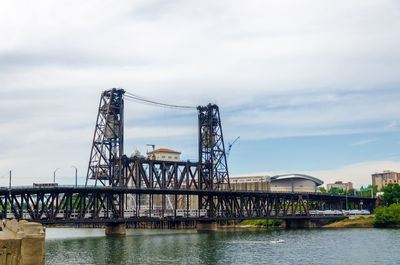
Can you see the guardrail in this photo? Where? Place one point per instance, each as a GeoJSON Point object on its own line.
{"type": "Point", "coordinates": [181, 189]}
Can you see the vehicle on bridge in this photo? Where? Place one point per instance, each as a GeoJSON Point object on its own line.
{"type": "Point", "coordinates": [45, 185]}
{"type": "Point", "coordinates": [339, 212]}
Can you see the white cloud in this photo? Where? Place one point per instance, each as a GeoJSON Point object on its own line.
{"type": "Point", "coordinates": [366, 141]}
{"type": "Point", "coordinates": [152, 132]}
{"type": "Point", "coordinates": [276, 68]}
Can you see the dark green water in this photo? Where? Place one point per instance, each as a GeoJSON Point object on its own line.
{"type": "Point", "coordinates": [314, 246]}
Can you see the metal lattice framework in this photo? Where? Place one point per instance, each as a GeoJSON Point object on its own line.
{"type": "Point", "coordinates": [108, 165]}
{"type": "Point", "coordinates": [108, 140]}
{"type": "Point", "coordinates": [211, 147]}
{"type": "Point", "coordinates": [147, 173]}
{"type": "Point", "coordinates": [103, 205]}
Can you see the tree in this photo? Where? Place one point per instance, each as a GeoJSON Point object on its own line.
{"type": "Point", "coordinates": [374, 188]}
{"type": "Point", "coordinates": [336, 190]}
{"type": "Point", "coordinates": [391, 194]}
{"type": "Point", "coordinates": [322, 189]}
{"type": "Point", "coordinates": [385, 216]}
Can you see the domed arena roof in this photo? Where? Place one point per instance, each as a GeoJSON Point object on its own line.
{"type": "Point", "coordinates": [318, 182]}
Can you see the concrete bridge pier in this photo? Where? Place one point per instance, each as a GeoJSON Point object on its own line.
{"type": "Point", "coordinates": [22, 243]}
{"type": "Point", "coordinates": [204, 226]}
{"type": "Point", "coordinates": [115, 229]}
{"type": "Point", "coordinates": [298, 223]}
{"type": "Point", "coordinates": [304, 223]}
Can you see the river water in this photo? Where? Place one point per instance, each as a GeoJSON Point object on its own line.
{"type": "Point", "coordinates": [227, 246]}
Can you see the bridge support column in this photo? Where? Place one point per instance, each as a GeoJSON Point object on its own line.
{"type": "Point", "coordinates": [299, 223]}
{"type": "Point", "coordinates": [206, 226]}
{"type": "Point", "coordinates": [305, 223]}
{"type": "Point", "coordinates": [116, 229]}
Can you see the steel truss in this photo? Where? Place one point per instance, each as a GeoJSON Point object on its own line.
{"type": "Point", "coordinates": [108, 165]}
{"type": "Point", "coordinates": [107, 146]}
{"type": "Point", "coordinates": [146, 173]}
{"type": "Point", "coordinates": [99, 204]}
{"type": "Point", "coordinates": [211, 146]}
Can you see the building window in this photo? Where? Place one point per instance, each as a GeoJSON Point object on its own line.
{"type": "Point", "coordinates": [176, 157]}
{"type": "Point", "coordinates": [163, 156]}
{"type": "Point", "coordinates": [169, 157]}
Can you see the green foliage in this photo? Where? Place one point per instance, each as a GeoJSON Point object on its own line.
{"type": "Point", "coordinates": [322, 189]}
{"type": "Point", "coordinates": [363, 191]}
{"type": "Point", "coordinates": [391, 194]}
{"type": "Point", "coordinates": [374, 188]}
{"type": "Point", "coordinates": [386, 216]}
{"type": "Point", "coordinates": [339, 191]}
{"type": "Point", "coordinates": [274, 222]}
{"type": "Point", "coordinates": [369, 219]}
{"type": "Point", "coordinates": [262, 222]}
{"type": "Point", "coordinates": [336, 190]}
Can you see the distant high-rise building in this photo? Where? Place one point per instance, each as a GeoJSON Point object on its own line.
{"type": "Point", "coordinates": [384, 178]}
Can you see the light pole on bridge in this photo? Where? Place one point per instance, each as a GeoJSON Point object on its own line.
{"type": "Point", "coordinates": [76, 176]}
{"type": "Point", "coordinates": [54, 175]}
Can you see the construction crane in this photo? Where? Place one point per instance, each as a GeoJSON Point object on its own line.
{"type": "Point", "coordinates": [152, 145]}
{"type": "Point", "coordinates": [230, 146]}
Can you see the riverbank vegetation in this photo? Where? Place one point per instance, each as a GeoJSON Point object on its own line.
{"type": "Point", "coordinates": [387, 216]}
{"type": "Point", "coordinates": [360, 222]}
{"type": "Point", "coordinates": [262, 222]}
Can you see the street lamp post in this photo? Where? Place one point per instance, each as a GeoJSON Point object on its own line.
{"type": "Point", "coordinates": [10, 181]}
{"type": "Point", "coordinates": [54, 175]}
{"type": "Point", "coordinates": [76, 176]}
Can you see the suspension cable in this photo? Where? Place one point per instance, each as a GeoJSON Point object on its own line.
{"type": "Point", "coordinates": [136, 98]}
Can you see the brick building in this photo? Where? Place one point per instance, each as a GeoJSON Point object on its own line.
{"type": "Point", "coordinates": [384, 178]}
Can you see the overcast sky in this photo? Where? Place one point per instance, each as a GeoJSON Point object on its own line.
{"type": "Point", "coordinates": [309, 86]}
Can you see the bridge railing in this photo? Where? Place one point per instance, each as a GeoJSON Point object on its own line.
{"type": "Point", "coordinates": [6, 188]}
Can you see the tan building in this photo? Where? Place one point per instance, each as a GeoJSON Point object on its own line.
{"type": "Point", "coordinates": [384, 178]}
{"type": "Point", "coordinates": [341, 185]}
{"type": "Point", "coordinates": [255, 183]}
{"type": "Point", "coordinates": [161, 154]}
{"type": "Point", "coordinates": [164, 154]}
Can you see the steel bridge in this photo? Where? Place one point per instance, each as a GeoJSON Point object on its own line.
{"type": "Point", "coordinates": [70, 204]}
{"type": "Point", "coordinates": [122, 189]}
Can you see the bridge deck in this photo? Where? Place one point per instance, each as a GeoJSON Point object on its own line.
{"type": "Point", "coordinates": [89, 204]}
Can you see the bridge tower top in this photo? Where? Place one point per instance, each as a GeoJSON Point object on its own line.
{"type": "Point", "coordinates": [108, 140]}
{"type": "Point", "coordinates": [211, 147]}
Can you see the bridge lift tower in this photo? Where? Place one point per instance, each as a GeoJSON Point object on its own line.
{"type": "Point", "coordinates": [108, 141]}
{"type": "Point", "coordinates": [212, 147]}
{"type": "Point", "coordinates": [106, 157]}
